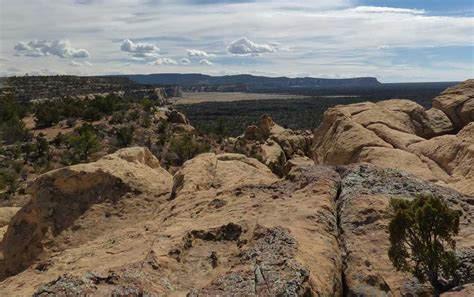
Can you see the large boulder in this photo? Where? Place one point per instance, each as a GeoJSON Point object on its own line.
{"type": "Point", "coordinates": [76, 200]}
{"type": "Point", "coordinates": [457, 103]}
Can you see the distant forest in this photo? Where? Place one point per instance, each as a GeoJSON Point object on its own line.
{"type": "Point", "coordinates": [231, 118]}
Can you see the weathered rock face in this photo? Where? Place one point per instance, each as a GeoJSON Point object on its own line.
{"type": "Point", "coordinates": [227, 226]}
{"type": "Point", "coordinates": [401, 134]}
{"type": "Point", "coordinates": [457, 103]}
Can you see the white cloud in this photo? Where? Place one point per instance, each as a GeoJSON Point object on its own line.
{"type": "Point", "coordinates": [140, 51]}
{"type": "Point", "coordinates": [60, 48]}
{"type": "Point", "coordinates": [244, 46]}
{"type": "Point", "coordinates": [198, 53]}
{"type": "Point", "coordinates": [206, 62]}
{"type": "Point", "coordinates": [163, 61]}
{"type": "Point", "coordinates": [79, 64]}
{"type": "Point", "coordinates": [130, 46]}
{"type": "Point", "coordinates": [378, 9]}
{"type": "Point", "coordinates": [324, 37]}
{"type": "Point", "coordinates": [185, 61]}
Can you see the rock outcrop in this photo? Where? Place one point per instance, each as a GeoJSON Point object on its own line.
{"type": "Point", "coordinates": [225, 226]}
{"type": "Point", "coordinates": [401, 134]}
{"type": "Point", "coordinates": [74, 205]}
{"type": "Point", "coordinates": [271, 144]}
{"type": "Point", "coordinates": [457, 103]}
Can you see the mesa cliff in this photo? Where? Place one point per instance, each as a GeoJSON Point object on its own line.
{"type": "Point", "coordinates": [273, 212]}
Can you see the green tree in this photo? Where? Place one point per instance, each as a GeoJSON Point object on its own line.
{"type": "Point", "coordinates": [183, 148]}
{"type": "Point", "coordinates": [42, 146]}
{"type": "Point", "coordinates": [125, 136]}
{"type": "Point", "coordinates": [84, 142]}
{"type": "Point", "coordinates": [47, 114]}
{"type": "Point", "coordinates": [421, 239]}
{"type": "Point", "coordinates": [12, 128]}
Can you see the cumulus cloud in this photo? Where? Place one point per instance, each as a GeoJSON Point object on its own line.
{"type": "Point", "coordinates": [185, 61]}
{"type": "Point", "coordinates": [206, 62]}
{"type": "Point", "coordinates": [140, 51]}
{"type": "Point", "coordinates": [79, 64]}
{"type": "Point", "coordinates": [60, 48]}
{"type": "Point", "coordinates": [198, 53]}
{"type": "Point", "coordinates": [245, 47]}
{"type": "Point", "coordinates": [163, 61]}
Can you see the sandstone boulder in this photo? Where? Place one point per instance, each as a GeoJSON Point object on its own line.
{"type": "Point", "coordinates": [439, 122]}
{"type": "Point", "coordinates": [457, 103]}
{"type": "Point", "coordinates": [74, 200]}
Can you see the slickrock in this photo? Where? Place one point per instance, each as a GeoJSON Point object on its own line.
{"type": "Point", "coordinates": [227, 226]}
{"type": "Point", "coordinates": [231, 227]}
{"type": "Point", "coordinates": [401, 134]}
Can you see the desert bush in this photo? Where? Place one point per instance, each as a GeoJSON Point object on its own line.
{"type": "Point", "coordinates": [47, 114]}
{"type": "Point", "coordinates": [83, 143]}
{"type": "Point", "coordinates": [183, 148]}
{"type": "Point", "coordinates": [125, 136]}
{"type": "Point", "coordinates": [421, 240]}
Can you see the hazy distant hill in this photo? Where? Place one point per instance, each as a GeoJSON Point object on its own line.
{"type": "Point", "coordinates": [253, 82]}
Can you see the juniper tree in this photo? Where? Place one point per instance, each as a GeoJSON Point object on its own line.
{"type": "Point", "coordinates": [421, 239]}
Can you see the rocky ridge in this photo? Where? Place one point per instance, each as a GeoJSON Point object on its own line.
{"type": "Point", "coordinates": [228, 224]}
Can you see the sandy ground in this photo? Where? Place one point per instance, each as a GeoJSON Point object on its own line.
{"type": "Point", "coordinates": [199, 97]}
{"type": "Point", "coordinates": [51, 132]}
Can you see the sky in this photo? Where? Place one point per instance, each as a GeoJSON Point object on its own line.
{"type": "Point", "coordinates": [393, 40]}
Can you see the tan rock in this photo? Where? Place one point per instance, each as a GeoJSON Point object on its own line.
{"type": "Point", "coordinates": [458, 103]}
{"type": "Point", "coordinates": [273, 156]}
{"type": "Point", "coordinates": [397, 139]}
{"type": "Point", "coordinates": [224, 171]}
{"type": "Point", "coordinates": [6, 214]}
{"type": "Point", "coordinates": [338, 139]}
{"type": "Point", "coordinates": [462, 291]}
{"type": "Point", "coordinates": [296, 161]}
{"type": "Point", "coordinates": [397, 159]}
{"type": "Point", "coordinates": [439, 122]}
{"type": "Point", "coordinates": [61, 199]}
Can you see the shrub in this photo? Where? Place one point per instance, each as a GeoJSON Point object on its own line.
{"type": "Point", "coordinates": [83, 143]}
{"type": "Point", "coordinates": [421, 239]}
{"type": "Point", "coordinates": [47, 114]}
{"type": "Point", "coordinates": [183, 148]}
{"type": "Point", "coordinates": [13, 130]}
{"type": "Point", "coordinates": [125, 136]}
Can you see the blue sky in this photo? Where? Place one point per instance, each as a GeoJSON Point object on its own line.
{"type": "Point", "coordinates": [393, 40]}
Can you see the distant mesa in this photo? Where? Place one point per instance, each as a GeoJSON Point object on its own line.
{"type": "Point", "coordinates": [251, 81]}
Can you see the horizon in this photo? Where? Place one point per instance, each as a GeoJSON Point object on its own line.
{"type": "Point", "coordinates": [393, 41]}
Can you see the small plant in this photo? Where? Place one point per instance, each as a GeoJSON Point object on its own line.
{"type": "Point", "coordinates": [125, 136]}
{"type": "Point", "coordinates": [183, 148]}
{"type": "Point", "coordinates": [83, 143]}
{"type": "Point", "coordinates": [421, 240]}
